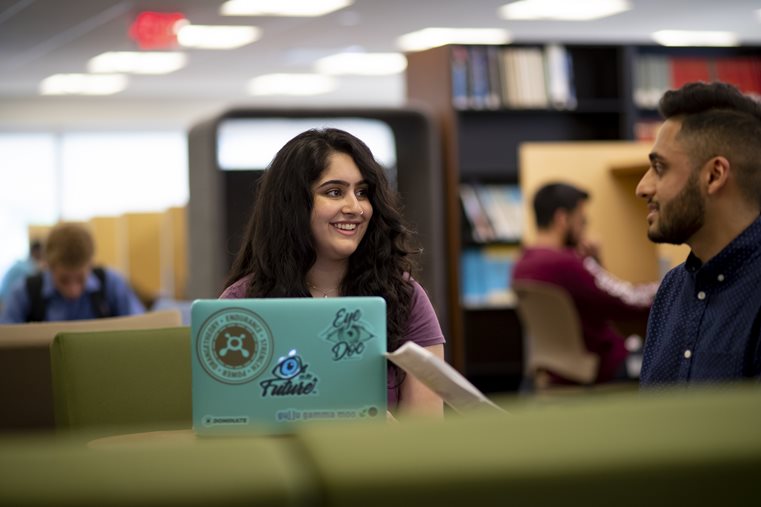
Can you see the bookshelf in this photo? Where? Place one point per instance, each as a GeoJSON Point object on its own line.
{"type": "Point", "coordinates": [482, 127]}
{"type": "Point", "coordinates": [658, 69]}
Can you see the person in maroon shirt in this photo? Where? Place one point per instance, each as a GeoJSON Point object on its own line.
{"type": "Point", "coordinates": [563, 256]}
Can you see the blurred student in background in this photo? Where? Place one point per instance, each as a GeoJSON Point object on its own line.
{"type": "Point", "coordinates": [703, 188]}
{"type": "Point", "coordinates": [21, 269]}
{"type": "Point", "coordinates": [562, 255]}
{"type": "Point", "coordinates": [326, 223]}
{"type": "Point", "coordinates": [70, 288]}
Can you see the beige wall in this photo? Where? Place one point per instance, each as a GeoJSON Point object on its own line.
{"type": "Point", "coordinates": [143, 233]}
{"type": "Point", "coordinates": [109, 243]}
{"type": "Point", "coordinates": [39, 232]}
{"type": "Point", "coordinates": [610, 171]}
{"type": "Point", "coordinates": [174, 252]}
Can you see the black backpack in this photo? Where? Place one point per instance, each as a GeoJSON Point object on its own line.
{"type": "Point", "coordinates": [37, 307]}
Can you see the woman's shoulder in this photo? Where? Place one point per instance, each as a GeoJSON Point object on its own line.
{"type": "Point", "coordinates": [423, 326]}
{"type": "Point", "coordinates": [417, 289]}
{"type": "Point", "coordinates": [237, 290]}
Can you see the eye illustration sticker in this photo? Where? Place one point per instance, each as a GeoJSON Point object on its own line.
{"type": "Point", "coordinates": [347, 332]}
{"type": "Point", "coordinates": [290, 378]}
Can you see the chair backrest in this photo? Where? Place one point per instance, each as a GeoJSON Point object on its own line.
{"type": "Point", "coordinates": [122, 378]}
{"type": "Point", "coordinates": [26, 399]}
{"type": "Point", "coordinates": [554, 340]}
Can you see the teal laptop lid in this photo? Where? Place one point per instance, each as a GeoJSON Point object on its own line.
{"type": "Point", "coordinates": [265, 365]}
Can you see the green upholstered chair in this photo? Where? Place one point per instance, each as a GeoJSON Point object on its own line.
{"type": "Point", "coordinates": [122, 378]}
{"type": "Point", "coordinates": [25, 386]}
{"type": "Point", "coordinates": [696, 448]}
{"type": "Point", "coordinates": [200, 473]}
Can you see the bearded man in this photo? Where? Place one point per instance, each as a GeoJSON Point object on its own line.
{"type": "Point", "coordinates": [703, 188]}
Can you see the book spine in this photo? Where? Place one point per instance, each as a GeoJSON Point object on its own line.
{"type": "Point", "coordinates": [478, 72]}
{"type": "Point", "coordinates": [459, 71]}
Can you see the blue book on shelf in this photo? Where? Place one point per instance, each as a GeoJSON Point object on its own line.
{"type": "Point", "coordinates": [473, 287]}
{"type": "Point", "coordinates": [497, 273]}
{"type": "Point", "coordinates": [479, 77]}
{"type": "Point", "coordinates": [459, 57]}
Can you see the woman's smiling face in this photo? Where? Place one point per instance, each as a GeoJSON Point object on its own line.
{"type": "Point", "coordinates": [341, 209]}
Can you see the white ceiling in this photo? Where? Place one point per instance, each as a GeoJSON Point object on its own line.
{"type": "Point", "coordinates": [43, 37]}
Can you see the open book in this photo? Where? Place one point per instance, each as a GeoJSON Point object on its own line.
{"type": "Point", "coordinates": [440, 377]}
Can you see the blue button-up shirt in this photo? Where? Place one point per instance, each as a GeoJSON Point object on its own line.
{"type": "Point", "coordinates": [705, 323]}
{"type": "Point", "coordinates": [120, 297]}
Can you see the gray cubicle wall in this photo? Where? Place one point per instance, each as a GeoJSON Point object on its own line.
{"type": "Point", "coordinates": [215, 228]}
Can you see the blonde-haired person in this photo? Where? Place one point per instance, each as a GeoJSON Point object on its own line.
{"type": "Point", "coordinates": [70, 288]}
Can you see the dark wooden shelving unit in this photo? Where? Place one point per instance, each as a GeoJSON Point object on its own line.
{"type": "Point", "coordinates": [482, 145]}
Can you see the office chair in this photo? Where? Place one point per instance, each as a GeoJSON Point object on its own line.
{"type": "Point", "coordinates": [552, 334]}
{"type": "Point", "coordinates": [128, 378]}
{"type": "Point", "coordinates": [25, 383]}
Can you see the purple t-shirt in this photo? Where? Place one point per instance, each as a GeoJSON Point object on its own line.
{"type": "Point", "coordinates": [422, 328]}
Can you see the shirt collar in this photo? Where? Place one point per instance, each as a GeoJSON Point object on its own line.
{"type": "Point", "coordinates": [745, 246]}
{"type": "Point", "coordinates": [92, 284]}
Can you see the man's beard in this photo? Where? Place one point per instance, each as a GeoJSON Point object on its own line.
{"type": "Point", "coordinates": [680, 219]}
{"type": "Point", "coordinates": [570, 240]}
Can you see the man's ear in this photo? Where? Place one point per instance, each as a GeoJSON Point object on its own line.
{"type": "Point", "coordinates": [560, 218]}
{"type": "Point", "coordinates": [717, 174]}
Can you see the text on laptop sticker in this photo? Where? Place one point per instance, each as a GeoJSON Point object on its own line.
{"type": "Point", "coordinates": [347, 332]}
{"type": "Point", "coordinates": [290, 378]}
{"type": "Point", "coordinates": [293, 414]}
{"type": "Point", "coordinates": [234, 346]}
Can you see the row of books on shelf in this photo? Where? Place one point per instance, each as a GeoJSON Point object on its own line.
{"type": "Point", "coordinates": [485, 275]}
{"type": "Point", "coordinates": [493, 77]}
{"type": "Point", "coordinates": [494, 212]}
{"type": "Point", "coordinates": [655, 74]}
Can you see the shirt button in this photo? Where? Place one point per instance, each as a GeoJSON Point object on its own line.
{"type": "Point", "coordinates": [687, 354]}
{"type": "Point", "coordinates": [720, 278]}
{"type": "Point", "coordinates": [701, 295]}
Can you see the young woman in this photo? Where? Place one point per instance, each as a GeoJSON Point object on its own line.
{"type": "Point", "coordinates": [326, 223]}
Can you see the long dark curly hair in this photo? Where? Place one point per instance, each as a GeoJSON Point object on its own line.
{"type": "Point", "coordinates": [278, 247]}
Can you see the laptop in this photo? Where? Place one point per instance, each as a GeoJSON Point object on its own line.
{"type": "Point", "coordinates": [269, 365]}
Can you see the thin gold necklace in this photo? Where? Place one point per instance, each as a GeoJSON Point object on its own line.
{"type": "Point", "coordinates": [323, 292]}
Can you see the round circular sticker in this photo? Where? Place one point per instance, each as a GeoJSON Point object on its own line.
{"type": "Point", "coordinates": [234, 346]}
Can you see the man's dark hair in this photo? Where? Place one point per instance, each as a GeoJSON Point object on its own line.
{"type": "Point", "coordinates": [35, 249]}
{"type": "Point", "coordinates": [718, 120]}
{"type": "Point", "coordinates": [555, 196]}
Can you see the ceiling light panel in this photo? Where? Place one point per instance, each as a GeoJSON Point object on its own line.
{"type": "Point", "coordinates": [217, 37]}
{"type": "Point", "coordinates": [695, 38]}
{"type": "Point", "coordinates": [433, 37]}
{"type": "Point", "coordinates": [83, 84]}
{"type": "Point", "coordinates": [292, 84]}
{"type": "Point", "coordinates": [282, 7]}
{"type": "Point", "coordinates": [566, 10]}
{"type": "Point", "coordinates": [362, 64]}
{"type": "Point", "coordinates": [137, 62]}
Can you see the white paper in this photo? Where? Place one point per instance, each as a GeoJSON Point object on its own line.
{"type": "Point", "coordinates": [440, 377]}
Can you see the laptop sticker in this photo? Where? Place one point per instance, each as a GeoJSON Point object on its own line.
{"type": "Point", "coordinates": [348, 332]}
{"type": "Point", "coordinates": [290, 378]}
{"type": "Point", "coordinates": [234, 346]}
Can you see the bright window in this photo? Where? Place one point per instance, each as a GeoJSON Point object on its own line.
{"type": "Point", "coordinates": [107, 174]}
{"type": "Point", "coordinates": [45, 177]}
{"type": "Point", "coordinates": [28, 190]}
